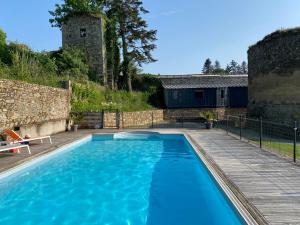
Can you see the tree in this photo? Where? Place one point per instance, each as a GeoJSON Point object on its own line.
{"type": "Point", "coordinates": [75, 7]}
{"type": "Point", "coordinates": [137, 42]}
{"type": "Point", "coordinates": [112, 51]}
{"type": "Point", "coordinates": [4, 52]}
{"type": "Point", "coordinates": [217, 69]}
{"type": "Point", "coordinates": [217, 65]}
{"type": "Point", "coordinates": [233, 68]}
{"type": "Point", "coordinates": [207, 67]}
{"type": "Point", "coordinates": [72, 62]}
{"type": "Point", "coordinates": [244, 68]}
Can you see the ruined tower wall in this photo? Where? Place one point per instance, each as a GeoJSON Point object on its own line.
{"type": "Point", "coordinates": [274, 76]}
{"type": "Point", "coordinates": [87, 33]}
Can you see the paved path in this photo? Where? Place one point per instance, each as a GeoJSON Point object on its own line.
{"type": "Point", "coordinates": [270, 183]}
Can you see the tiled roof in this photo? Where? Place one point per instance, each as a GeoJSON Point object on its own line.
{"type": "Point", "coordinates": [204, 81]}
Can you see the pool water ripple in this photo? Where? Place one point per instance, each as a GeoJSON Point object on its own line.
{"type": "Point", "coordinates": [152, 181]}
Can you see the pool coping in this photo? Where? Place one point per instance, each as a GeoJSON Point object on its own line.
{"type": "Point", "coordinates": [247, 211]}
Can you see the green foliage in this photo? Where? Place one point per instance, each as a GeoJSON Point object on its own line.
{"type": "Point", "coordinates": [71, 62]}
{"type": "Point", "coordinates": [89, 97]}
{"type": "Point", "coordinates": [125, 23]}
{"type": "Point", "coordinates": [151, 84]}
{"type": "Point", "coordinates": [207, 67]}
{"type": "Point", "coordinates": [113, 51]}
{"type": "Point", "coordinates": [21, 63]}
{"type": "Point", "coordinates": [4, 53]}
{"type": "Point", "coordinates": [137, 41]}
{"type": "Point", "coordinates": [75, 7]}
{"type": "Point", "coordinates": [233, 68]}
{"type": "Point", "coordinates": [207, 115]}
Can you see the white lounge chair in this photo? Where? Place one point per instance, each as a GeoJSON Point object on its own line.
{"type": "Point", "coordinates": [17, 139]}
{"type": "Point", "coordinates": [14, 146]}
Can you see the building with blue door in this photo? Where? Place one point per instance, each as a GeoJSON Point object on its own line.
{"type": "Point", "coordinates": [205, 91]}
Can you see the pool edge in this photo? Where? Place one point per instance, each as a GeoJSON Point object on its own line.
{"type": "Point", "coordinates": [248, 212]}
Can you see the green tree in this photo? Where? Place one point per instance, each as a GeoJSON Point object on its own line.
{"type": "Point", "coordinates": [244, 68]}
{"type": "Point", "coordinates": [207, 67]}
{"type": "Point", "coordinates": [112, 51]}
{"type": "Point", "coordinates": [72, 62]}
{"type": "Point", "coordinates": [233, 68]}
{"type": "Point", "coordinates": [217, 69]}
{"type": "Point", "coordinates": [137, 41]}
{"type": "Point", "coordinates": [75, 7]}
{"type": "Point", "coordinates": [4, 52]}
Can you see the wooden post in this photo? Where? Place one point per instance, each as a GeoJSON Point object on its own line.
{"type": "Point", "coordinates": [295, 141]}
{"type": "Point", "coordinates": [240, 127]}
{"type": "Point", "coordinates": [260, 132]}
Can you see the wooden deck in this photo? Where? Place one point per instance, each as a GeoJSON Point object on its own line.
{"type": "Point", "coordinates": [269, 183]}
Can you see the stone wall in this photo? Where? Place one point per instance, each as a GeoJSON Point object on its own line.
{"type": "Point", "coordinates": [110, 120]}
{"type": "Point", "coordinates": [37, 110]}
{"type": "Point", "coordinates": [153, 117]}
{"type": "Point", "coordinates": [143, 118]}
{"type": "Point", "coordinates": [274, 76]}
{"type": "Point", "coordinates": [220, 113]}
{"type": "Point", "coordinates": [132, 119]}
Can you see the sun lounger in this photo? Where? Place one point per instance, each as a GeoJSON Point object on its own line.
{"type": "Point", "coordinates": [17, 139]}
{"type": "Point", "coordinates": [14, 146]}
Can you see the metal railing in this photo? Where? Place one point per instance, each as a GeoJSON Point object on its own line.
{"type": "Point", "coordinates": [280, 138]}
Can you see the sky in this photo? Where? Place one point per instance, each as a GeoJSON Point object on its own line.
{"type": "Point", "coordinates": [189, 31]}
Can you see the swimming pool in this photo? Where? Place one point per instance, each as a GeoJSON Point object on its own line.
{"type": "Point", "coordinates": [147, 179]}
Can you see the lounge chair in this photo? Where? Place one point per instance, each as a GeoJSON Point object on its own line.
{"type": "Point", "coordinates": [14, 146]}
{"type": "Point", "coordinates": [17, 139]}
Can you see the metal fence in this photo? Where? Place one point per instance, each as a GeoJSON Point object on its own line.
{"type": "Point", "coordinates": [280, 138]}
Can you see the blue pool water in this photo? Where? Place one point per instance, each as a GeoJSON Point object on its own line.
{"type": "Point", "coordinates": [154, 181]}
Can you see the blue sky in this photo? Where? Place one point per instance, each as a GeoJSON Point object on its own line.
{"type": "Point", "coordinates": [189, 31]}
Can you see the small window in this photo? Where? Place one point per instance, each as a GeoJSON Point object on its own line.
{"type": "Point", "coordinates": [83, 32]}
{"type": "Point", "coordinates": [222, 94]}
{"type": "Point", "coordinates": [199, 94]}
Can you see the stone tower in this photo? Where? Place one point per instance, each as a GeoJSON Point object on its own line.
{"type": "Point", "coordinates": [87, 33]}
{"type": "Point", "coordinates": [274, 76]}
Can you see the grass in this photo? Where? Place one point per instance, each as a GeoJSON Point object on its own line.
{"type": "Point", "coordinates": [283, 148]}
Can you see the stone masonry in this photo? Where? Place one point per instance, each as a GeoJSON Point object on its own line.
{"type": "Point", "coordinates": [35, 109]}
{"type": "Point", "coordinates": [274, 76]}
{"type": "Point", "coordinates": [87, 33]}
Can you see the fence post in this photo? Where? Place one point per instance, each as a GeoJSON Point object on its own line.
{"type": "Point", "coordinates": [181, 120]}
{"type": "Point", "coordinates": [295, 141]}
{"type": "Point", "coordinates": [227, 124]}
{"type": "Point", "coordinates": [152, 120]}
{"type": "Point", "coordinates": [122, 120]}
{"type": "Point", "coordinates": [240, 127]}
{"type": "Point", "coordinates": [103, 125]}
{"type": "Point", "coordinates": [118, 119]}
{"type": "Point", "coordinates": [260, 132]}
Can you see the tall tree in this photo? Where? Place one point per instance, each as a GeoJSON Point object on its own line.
{"type": "Point", "coordinates": [217, 65]}
{"type": "Point", "coordinates": [75, 7]}
{"type": "Point", "coordinates": [137, 40]}
{"type": "Point", "coordinates": [244, 68]}
{"type": "Point", "coordinates": [112, 51]}
{"type": "Point", "coordinates": [233, 68]}
{"type": "Point", "coordinates": [207, 67]}
{"type": "Point", "coordinates": [217, 69]}
{"type": "Point", "coordinates": [4, 52]}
